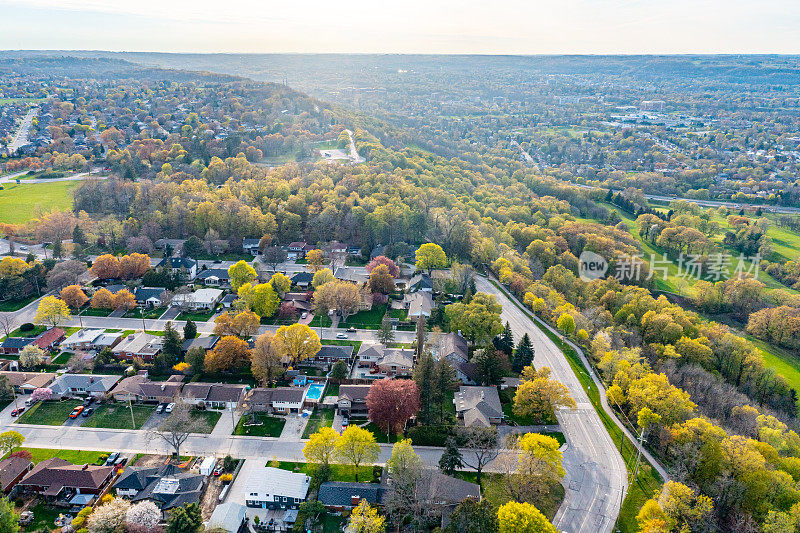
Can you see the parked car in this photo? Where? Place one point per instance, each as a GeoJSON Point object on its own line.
{"type": "Point", "coordinates": [341, 335]}
{"type": "Point", "coordinates": [86, 412]}
{"type": "Point", "coordinates": [18, 411]}
{"type": "Point", "coordinates": [25, 518]}
{"type": "Point", "coordinates": [169, 408]}
{"type": "Point", "coordinates": [160, 408]}
{"type": "Point", "coordinates": [29, 402]}
{"type": "Point", "coordinates": [120, 461]}
{"type": "Point", "coordinates": [304, 315]}
{"type": "Point", "coordinates": [351, 329]}
{"type": "Point", "coordinates": [218, 470]}
{"type": "Point", "coordinates": [111, 458]}
{"type": "Point", "coordinates": [75, 412]}
{"type": "Point", "coordinates": [88, 401]}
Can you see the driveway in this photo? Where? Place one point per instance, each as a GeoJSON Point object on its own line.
{"type": "Point", "coordinates": [226, 423]}
{"type": "Point", "coordinates": [294, 427]}
{"type": "Point", "coordinates": [154, 421]}
{"type": "Point", "coordinates": [171, 313]}
{"type": "Point", "coordinates": [337, 421]}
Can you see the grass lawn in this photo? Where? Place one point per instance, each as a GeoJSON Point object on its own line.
{"type": "Point", "coordinates": [18, 202]}
{"type": "Point", "coordinates": [365, 319]}
{"type": "Point", "coordinates": [197, 317]}
{"type": "Point", "coordinates": [30, 333]}
{"type": "Point", "coordinates": [332, 390]}
{"type": "Point", "coordinates": [62, 358]}
{"type": "Point", "coordinates": [279, 320]}
{"type": "Point", "coordinates": [380, 435]}
{"type": "Point", "coordinates": [90, 311]}
{"type": "Point", "coordinates": [332, 523]}
{"type": "Point", "coordinates": [493, 489]}
{"type": "Point", "coordinates": [73, 456]}
{"type": "Point", "coordinates": [323, 321]}
{"type": "Point", "coordinates": [400, 314]}
{"type": "Point", "coordinates": [44, 517]}
{"type": "Point", "coordinates": [339, 342]}
{"type": "Point", "coordinates": [118, 416]}
{"type": "Point", "coordinates": [782, 362]}
{"type": "Point", "coordinates": [209, 418]}
{"type": "Point", "coordinates": [15, 305]}
{"type": "Point", "coordinates": [49, 413]}
{"type": "Point", "coordinates": [151, 313]}
{"type": "Point", "coordinates": [338, 472]}
{"type": "Point", "coordinates": [320, 418]}
{"type": "Point", "coordinates": [271, 426]}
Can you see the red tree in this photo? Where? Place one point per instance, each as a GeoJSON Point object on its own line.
{"type": "Point", "coordinates": [286, 310]}
{"type": "Point", "coordinates": [394, 270]}
{"type": "Point", "coordinates": [25, 454]}
{"type": "Point", "coordinates": [391, 402]}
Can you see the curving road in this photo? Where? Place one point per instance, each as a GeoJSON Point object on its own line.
{"type": "Point", "coordinates": [596, 477]}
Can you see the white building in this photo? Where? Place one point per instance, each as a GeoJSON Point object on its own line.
{"type": "Point", "coordinates": [274, 488]}
{"type": "Point", "coordinates": [200, 299]}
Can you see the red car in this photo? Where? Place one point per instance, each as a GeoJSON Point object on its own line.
{"type": "Point", "coordinates": [75, 412]}
{"type": "Point", "coordinates": [18, 411]}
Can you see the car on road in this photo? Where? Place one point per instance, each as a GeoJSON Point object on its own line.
{"type": "Point", "coordinates": [112, 458]}
{"type": "Point", "coordinates": [351, 329]}
{"type": "Point", "coordinates": [29, 402]}
{"type": "Point", "coordinates": [304, 315]}
{"type": "Point", "coordinates": [168, 409]}
{"type": "Point", "coordinates": [160, 408]}
{"type": "Point", "coordinates": [86, 412]}
{"type": "Point", "coordinates": [18, 411]}
{"type": "Point", "coordinates": [341, 335]}
{"type": "Point", "coordinates": [75, 412]}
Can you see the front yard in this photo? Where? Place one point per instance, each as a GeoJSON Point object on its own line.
{"type": "Point", "coordinates": [51, 413]}
{"type": "Point", "coordinates": [73, 456]}
{"type": "Point", "coordinates": [207, 419]}
{"type": "Point", "coordinates": [270, 426]}
{"type": "Point", "coordinates": [196, 316]}
{"type": "Point", "coordinates": [370, 319]}
{"type": "Point", "coordinates": [118, 416]}
{"type": "Point", "coordinates": [150, 313]}
{"type": "Point", "coordinates": [320, 418]}
{"type": "Point", "coordinates": [366, 474]}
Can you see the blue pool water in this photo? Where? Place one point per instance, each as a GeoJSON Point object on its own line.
{"type": "Point", "coordinates": [314, 392]}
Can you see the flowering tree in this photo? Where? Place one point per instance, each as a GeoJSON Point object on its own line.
{"type": "Point", "coordinates": [109, 517]}
{"type": "Point", "coordinates": [31, 356]}
{"type": "Point", "coordinates": [145, 514]}
{"type": "Point", "coordinates": [41, 394]}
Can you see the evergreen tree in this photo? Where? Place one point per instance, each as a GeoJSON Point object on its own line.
{"type": "Point", "coordinates": [505, 341]}
{"type": "Point", "coordinates": [425, 377]}
{"type": "Point", "coordinates": [339, 371]}
{"type": "Point", "coordinates": [186, 519]}
{"type": "Point", "coordinates": [444, 381]}
{"type": "Point", "coordinates": [170, 349]}
{"type": "Point", "coordinates": [420, 342]}
{"type": "Point", "coordinates": [523, 356]}
{"type": "Point", "coordinates": [489, 370]}
{"type": "Point", "coordinates": [451, 458]}
{"type": "Point", "coordinates": [190, 330]}
{"type": "Point", "coordinates": [386, 333]}
{"type": "Point", "coordinates": [78, 236]}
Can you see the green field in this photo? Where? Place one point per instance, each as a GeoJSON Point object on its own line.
{"type": "Point", "coordinates": [49, 413]}
{"type": "Point", "coordinates": [15, 305]}
{"type": "Point", "coordinates": [782, 362]}
{"type": "Point", "coordinates": [21, 202]}
{"type": "Point", "coordinates": [118, 416]}
{"type": "Point", "coordinates": [338, 472]}
{"type": "Point", "coordinates": [73, 456]}
{"type": "Point", "coordinates": [271, 426]}
{"type": "Point", "coordinates": [370, 319]}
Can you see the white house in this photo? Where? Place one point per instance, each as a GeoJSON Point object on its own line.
{"type": "Point", "coordinates": [274, 488]}
{"type": "Point", "coordinates": [200, 299]}
{"type": "Point", "coordinates": [288, 399]}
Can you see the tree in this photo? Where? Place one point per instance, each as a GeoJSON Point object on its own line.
{"type": "Point", "coordinates": [9, 519]}
{"type": "Point", "coordinates": [386, 332]}
{"type": "Point", "coordinates": [10, 440]}
{"type": "Point", "coordinates": [488, 370]}
{"type": "Point", "coordinates": [41, 394]}
{"type": "Point", "coordinates": [109, 517]}
{"type": "Point", "coordinates": [405, 468]}
{"type": "Point", "coordinates": [677, 507]}
{"type": "Point", "coordinates": [189, 330]}
{"type": "Point", "coordinates": [341, 296]}
{"type": "Point", "coordinates": [505, 341]}
{"type": "Point", "coordinates": [357, 446]}
{"type": "Point", "coordinates": [65, 273]}
{"type": "Point", "coordinates": [381, 281]}
{"type": "Point", "coordinates": [421, 333]}
{"type": "Point", "coordinates": [7, 323]}
{"type": "Point", "coordinates": [280, 283]}
{"type": "Point", "coordinates": [321, 277]}
{"type": "Point", "coordinates": [74, 296]}
{"type": "Point", "coordinates": [124, 299]}
{"type": "Point", "coordinates": [241, 273]}
{"type": "Point", "coordinates": [193, 247]}
{"type": "Point", "coordinates": [31, 356]}
{"type": "Point", "coordinates": [515, 517]}
{"type": "Point", "coordinates": [481, 444]}
{"type": "Point", "coordinates": [134, 265]}
{"type": "Point", "coordinates": [382, 260]}
{"type": "Point", "coordinates": [106, 267]}
{"type": "Point", "coordinates": [102, 299]}
{"type": "Point", "coordinates": [479, 320]}
{"type": "Point", "coordinates": [566, 324]}
{"type": "Point", "coordinates": [310, 516]}
{"type": "Point", "coordinates": [539, 396]}
{"type": "Point", "coordinates": [298, 342]}
{"type": "Point", "coordinates": [365, 519]}
{"type": "Point", "coordinates": [273, 255]}
{"type": "Point", "coordinates": [172, 345]}
{"type": "Point", "coordinates": [321, 446]}
{"type": "Point", "coordinates": [52, 311]}
{"type": "Point", "coordinates": [340, 371]}
{"type": "Point", "coordinates": [533, 466]}
{"type": "Point", "coordinates": [450, 461]}
{"type": "Point", "coordinates": [523, 356]}
{"type": "Point", "coordinates": [266, 355]}
{"type": "Point", "coordinates": [196, 357]}
{"type": "Point", "coordinates": [242, 324]}
{"type": "Point", "coordinates": [145, 514]}
{"type": "Point", "coordinates": [261, 298]}
{"type": "Point", "coordinates": [230, 353]}
{"type": "Point", "coordinates": [391, 402]}
{"type": "Point", "coordinates": [185, 519]}
{"type": "Point", "coordinates": [430, 256]}
{"type": "Point", "coordinates": [315, 259]}
{"type": "Point", "coordinates": [178, 426]}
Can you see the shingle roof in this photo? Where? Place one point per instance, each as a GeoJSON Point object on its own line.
{"type": "Point", "coordinates": [478, 405]}
{"type": "Point", "coordinates": [340, 494]}
{"type": "Point", "coordinates": [89, 382]}
{"type": "Point", "coordinates": [57, 473]}
{"type": "Point", "coordinates": [288, 394]}
{"type": "Point", "coordinates": [335, 352]}
{"type": "Point", "coordinates": [353, 392]}
{"type": "Point", "coordinates": [207, 343]}
{"type": "Point", "coordinates": [17, 342]}
{"type": "Point", "coordinates": [10, 469]}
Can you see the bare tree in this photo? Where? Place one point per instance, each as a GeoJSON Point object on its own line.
{"type": "Point", "coordinates": [7, 323]}
{"type": "Point", "coordinates": [178, 426]}
{"type": "Point", "coordinates": [481, 446]}
{"type": "Point", "coordinates": [273, 255]}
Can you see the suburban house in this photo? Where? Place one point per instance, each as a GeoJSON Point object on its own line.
{"type": "Point", "coordinates": [351, 274]}
{"type": "Point", "coordinates": [184, 266]}
{"type": "Point", "coordinates": [150, 296]}
{"type": "Point", "coordinates": [14, 345]}
{"type": "Point", "coordinates": [445, 491]}
{"type": "Point", "coordinates": [138, 345]}
{"type": "Point", "coordinates": [453, 348]}
{"type": "Point", "coordinates": [386, 362]}
{"type": "Point", "coordinates": [353, 400]}
{"type": "Point", "coordinates": [274, 488]}
{"type": "Point", "coordinates": [478, 406]}
{"type": "Point", "coordinates": [82, 339]}
{"type": "Point", "coordinates": [12, 471]}
{"type": "Point", "coordinates": [95, 385]}
{"type": "Point", "coordinates": [139, 388]}
{"type": "Point", "coordinates": [213, 395]}
{"type": "Point", "coordinates": [167, 486]}
{"type": "Point", "coordinates": [46, 341]}
{"type": "Point", "coordinates": [297, 250]}
{"type": "Point", "coordinates": [206, 343]}
{"type": "Point", "coordinates": [201, 299]}
{"type": "Point", "coordinates": [420, 282]}
{"type": "Point", "coordinates": [419, 304]}
{"type": "Point", "coordinates": [217, 277]}
{"type": "Point", "coordinates": [27, 382]}
{"type": "Point", "coordinates": [287, 399]}
{"type": "Point", "coordinates": [339, 496]}
{"type": "Point", "coordinates": [259, 400]}
{"type": "Point", "coordinates": [228, 299]}
{"type": "Point", "coordinates": [329, 354]}
{"type": "Point", "coordinates": [250, 246]}
{"type": "Point", "coordinates": [59, 479]}
{"type": "Point", "coordinates": [302, 279]}
{"type": "Point", "coordinates": [299, 301]}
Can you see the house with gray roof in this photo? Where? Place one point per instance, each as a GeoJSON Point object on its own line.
{"type": "Point", "coordinates": [478, 406]}
{"type": "Point", "coordinates": [167, 486]}
{"type": "Point", "coordinates": [339, 496]}
{"type": "Point", "coordinates": [96, 385]}
{"type": "Point", "coordinates": [206, 343]}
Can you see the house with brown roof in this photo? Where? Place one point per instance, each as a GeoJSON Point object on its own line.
{"type": "Point", "coordinates": [213, 395]}
{"type": "Point", "coordinates": [27, 382]}
{"type": "Point", "coordinates": [352, 399]}
{"type": "Point", "coordinates": [386, 362]}
{"type": "Point", "coordinates": [139, 388]}
{"type": "Point", "coordinates": [47, 341]}
{"type": "Point", "coordinates": [59, 479]}
{"type": "Point", "coordinates": [259, 400]}
{"type": "Point", "coordinates": [12, 471]}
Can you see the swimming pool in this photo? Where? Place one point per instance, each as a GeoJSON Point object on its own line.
{"type": "Point", "coordinates": [314, 392]}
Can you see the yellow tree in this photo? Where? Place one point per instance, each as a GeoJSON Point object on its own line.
{"type": "Point", "coordinates": [74, 296]}
{"type": "Point", "coordinates": [298, 341]}
{"type": "Point", "coordinates": [261, 298]}
{"type": "Point", "coordinates": [321, 446]}
{"type": "Point", "coordinates": [124, 299]}
{"type": "Point", "coordinates": [430, 256]}
{"type": "Point", "coordinates": [266, 357]}
{"type": "Point", "coordinates": [315, 259]}
{"type": "Point", "coordinates": [10, 440]}
{"type": "Point", "coordinates": [322, 277]}
{"type": "Point", "coordinates": [102, 299]}
{"type": "Point", "coordinates": [539, 396]}
{"type": "Point", "coordinates": [106, 267]}
{"type": "Point", "coordinates": [533, 467]}
{"type": "Point", "coordinates": [229, 353]}
{"type": "Point", "coordinates": [52, 311]}
{"type": "Point", "coordinates": [241, 273]}
{"type": "Point", "coordinates": [280, 283]}
{"type": "Point", "coordinates": [12, 266]}
{"type": "Point", "coordinates": [366, 519]}
{"type": "Point", "coordinates": [356, 447]}
{"type": "Point", "coordinates": [515, 517]}
{"type": "Point", "coordinates": [243, 324]}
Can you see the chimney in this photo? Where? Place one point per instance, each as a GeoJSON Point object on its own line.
{"type": "Point", "coordinates": [91, 379]}
{"type": "Point", "coordinates": [355, 500]}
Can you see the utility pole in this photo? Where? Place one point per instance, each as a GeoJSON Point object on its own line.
{"type": "Point", "coordinates": [639, 453]}
{"type": "Point", "coordinates": [133, 420]}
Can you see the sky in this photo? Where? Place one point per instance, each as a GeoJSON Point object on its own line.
{"type": "Point", "coordinates": [408, 26]}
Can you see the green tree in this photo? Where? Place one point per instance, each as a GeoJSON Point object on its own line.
{"type": "Point", "coordinates": [430, 256]}
{"type": "Point", "coordinates": [488, 370]}
{"type": "Point", "coordinates": [523, 356]}
{"type": "Point", "coordinates": [196, 357]}
{"type": "Point", "coordinates": [185, 519]}
{"type": "Point", "coordinates": [10, 440]}
{"type": "Point", "coordinates": [425, 377]}
{"type": "Point", "coordinates": [479, 320]}
{"type": "Point", "coordinates": [193, 247]}
{"type": "Point", "coordinates": [189, 330]}
{"type": "Point", "coordinates": [9, 519]}
{"type": "Point", "coordinates": [171, 347]}
{"type": "Point", "coordinates": [471, 516]}
{"type": "Point", "coordinates": [241, 273]}
{"type": "Point", "coordinates": [261, 299]}
{"type": "Point", "coordinates": [339, 371]}
{"type": "Point", "coordinates": [386, 333]}
{"type": "Point", "coordinates": [505, 341]}
{"type": "Point", "coordinates": [450, 461]}
{"type": "Point", "coordinates": [566, 324]}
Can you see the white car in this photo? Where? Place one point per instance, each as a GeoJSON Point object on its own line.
{"type": "Point", "coordinates": [169, 408]}
{"type": "Point", "coordinates": [304, 315]}
{"type": "Point", "coordinates": [341, 335]}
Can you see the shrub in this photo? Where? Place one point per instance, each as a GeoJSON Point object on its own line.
{"type": "Point", "coordinates": [226, 478]}
{"type": "Point", "coordinates": [429, 435]}
{"type": "Point", "coordinates": [27, 326]}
